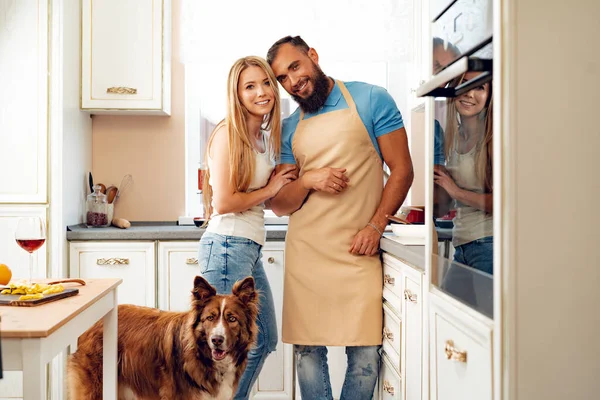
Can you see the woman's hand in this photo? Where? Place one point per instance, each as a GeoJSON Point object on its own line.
{"type": "Point", "coordinates": [282, 178]}
{"type": "Point", "coordinates": [442, 178]}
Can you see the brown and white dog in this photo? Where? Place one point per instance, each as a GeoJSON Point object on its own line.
{"type": "Point", "coordinates": [194, 355]}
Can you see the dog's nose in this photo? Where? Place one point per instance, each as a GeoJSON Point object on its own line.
{"type": "Point", "coordinates": [217, 340]}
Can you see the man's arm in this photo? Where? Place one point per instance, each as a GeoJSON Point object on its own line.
{"type": "Point", "coordinates": [394, 149]}
{"type": "Point", "coordinates": [291, 197]}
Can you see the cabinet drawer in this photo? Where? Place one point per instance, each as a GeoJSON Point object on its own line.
{"type": "Point", "coordinates": [392, 287]}
{"type": "Point", "coordinates": [134, 262]}
{"type": "Point", "coordinates": [390, 385]}
{"type": "Point", "coordinates": [392, 335]}
{"type": "Point", "coordinates": [461, 352]}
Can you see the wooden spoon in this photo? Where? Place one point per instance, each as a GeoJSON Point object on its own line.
{"type": "Point", "coordinates": [111, 193]}
{"type": "Point", "coordinates": [398, 220]}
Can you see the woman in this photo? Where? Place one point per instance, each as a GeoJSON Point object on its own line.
{"type": "Point", "coordinates": [467, 176]}
{"type": "Point", "coordinates": [240, 179]}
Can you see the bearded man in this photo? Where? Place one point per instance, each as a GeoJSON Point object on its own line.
{"type": "Point", "coordinates": [338, 138]}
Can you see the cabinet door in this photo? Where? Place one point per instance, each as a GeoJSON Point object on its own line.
{"type": "Point", "coordinates": [23, 101]}
{"type": "Point", "coordinates": [126, 69]}
{"type": "Point", "coordinates": [412, 334]}
{"type": "Point", "coordinates": [134, 262]}
{"type": "Point", "coordinates": [460, 352]}
{"type": "Point", "coordinates": [11, 254]}
{"type": "Point", "coordinates": [275, 379]}
{"type": "Point", "coordinates": [177, 268]}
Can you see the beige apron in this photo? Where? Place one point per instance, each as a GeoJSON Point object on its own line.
{"type": "Point", "coordinates": [332, 297]}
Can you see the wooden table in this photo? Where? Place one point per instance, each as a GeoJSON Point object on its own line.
{"type": "Point", "coordinates": [33, 336]}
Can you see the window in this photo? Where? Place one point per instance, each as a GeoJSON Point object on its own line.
{"type": "Point", "coordinates": [367, 47]}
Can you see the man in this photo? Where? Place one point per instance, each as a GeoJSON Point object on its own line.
{"type": "Point", "coordinates": [333, 278]}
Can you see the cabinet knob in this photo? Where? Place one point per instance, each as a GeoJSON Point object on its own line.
{"type": "Point", "coordinates": [388, 387]}
{"type": "Point", "coordinates": [388, 279]}
{"type": "Point", "coordinates": [192, 261]}
{"type": "Point", "coordinates": [112, 261]}
{"type": "Point", "coordinates": [408, 295]}
{"type": "Point", "coordinates": [389, 335]}
{"type": "Point", "coordinates": [453, 354]}
{"type": "Point", "coordinates": [271, 260]}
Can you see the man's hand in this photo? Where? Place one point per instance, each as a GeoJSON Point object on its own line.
{"type": "Point", "coordinates": [366, 242]}
{"type": "Point", "coordinates": [330, 180]}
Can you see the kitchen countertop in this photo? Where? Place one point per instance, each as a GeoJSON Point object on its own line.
{"type": "Point", "coordinates": [154, 231]}
{"type": "Point", "coordinates": [413, 255]}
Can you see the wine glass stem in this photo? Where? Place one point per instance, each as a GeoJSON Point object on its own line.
{"type": "Point", "coordinates": [30, 267]}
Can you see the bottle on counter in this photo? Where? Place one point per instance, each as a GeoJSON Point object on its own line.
{"type": "Point", "coordinates": [96, 209]}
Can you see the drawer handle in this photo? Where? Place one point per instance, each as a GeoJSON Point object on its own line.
{"type": "Point", "coordinates": [271, 260]}
{"type": "Point", "coordinates": [453, 354]}
{"type": "Point", "coordinates": [192, 261]}
{"type": "Point", "coordinates": [387, 278]}
{"type": "Point", "coordinates": [121, 90]}
{"type": "Point", "coordinates": [112, 261]}
{"type": "Point", "coordinates": [387, 386]}
{"type": "Point", "coordinates": [389, 335]}
{"type": "Point", "coordinates": [408, 295]}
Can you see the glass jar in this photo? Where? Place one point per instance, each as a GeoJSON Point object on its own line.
{"type": "Point", "coordinates": [96, 209]}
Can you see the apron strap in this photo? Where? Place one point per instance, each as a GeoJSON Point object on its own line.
{"type": "Point", "coordinates": [347, 96]}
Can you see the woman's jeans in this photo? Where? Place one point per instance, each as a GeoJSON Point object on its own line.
{"type": "Point", "coordinates": [313, 372]}
{"type": "Point", "coordinates": [224, 260]}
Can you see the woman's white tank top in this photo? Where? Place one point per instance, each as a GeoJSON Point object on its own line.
{"type": "Point", "coordinates": [249, 224]}
{"type": "Point", "coordinates": [470, 223]}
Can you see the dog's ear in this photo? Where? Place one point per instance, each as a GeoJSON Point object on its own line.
{"type": "Point", "coordinates": [245, 290]}
{"type": "Point", "coordinates": [202, 289]}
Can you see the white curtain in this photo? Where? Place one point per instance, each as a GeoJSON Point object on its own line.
{"type": "Point", "coordinates": [343, 30]}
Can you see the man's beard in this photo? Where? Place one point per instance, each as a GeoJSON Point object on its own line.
{"type": "Point", "coordinates": [315, 101]}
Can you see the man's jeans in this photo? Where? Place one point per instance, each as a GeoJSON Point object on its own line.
{"type": "Point", "coordinates": [224, 260]}
{"type": "Point", "coordinates": [313, 372]}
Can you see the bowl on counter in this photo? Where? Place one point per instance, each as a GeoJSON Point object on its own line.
{"type": "Point", "coordinates": [198, 221]}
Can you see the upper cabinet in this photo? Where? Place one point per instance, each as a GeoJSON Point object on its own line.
{"type": "Point", "coordinates": [126, 57]}
{"type": "Point", "coordinates": [23, 101]}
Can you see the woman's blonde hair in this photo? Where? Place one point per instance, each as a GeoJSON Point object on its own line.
{"type": "Point", "coordinates": [241, 151]}
{"type": "Point", "coordinates": [484, 151]}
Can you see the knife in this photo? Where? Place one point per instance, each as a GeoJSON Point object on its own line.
{"type": "Point", "coordinates": [91, 180]}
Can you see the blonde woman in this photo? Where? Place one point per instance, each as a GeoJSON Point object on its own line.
{"type": "Point", "coordinates": [241, 158]}
{"type": "Point", "coordinates": [467, 176]}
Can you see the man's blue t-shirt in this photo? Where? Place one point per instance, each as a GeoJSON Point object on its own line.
{"type": "Point", "coordinates": [376, 108]}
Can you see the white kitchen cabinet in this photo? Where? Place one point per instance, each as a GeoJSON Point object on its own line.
{"type": "Point", "coordinates": [390, 383]}
{"type": "Point", "coordinates": [412, 333]}
{"type": "Point", "coordinates": [24, 102]}
{"type": "Point", "coordinates": [402, 330]}
{"type": "Point", "coordinates": [126, 56]}
{"type": "Point", "coordinates": [177, 267]}
{"type": "Point", "coordinates": [134, 262]}
{"type": "Point", "coordinates": [460, 352]}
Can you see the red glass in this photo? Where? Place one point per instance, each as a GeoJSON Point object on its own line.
{"type": "Point", "coordinates": [30, 235]}
{"type": "Point", "coordinates": [30, 245]}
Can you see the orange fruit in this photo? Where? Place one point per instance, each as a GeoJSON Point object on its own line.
{"type": "Point", "coordinates": [5, 274]}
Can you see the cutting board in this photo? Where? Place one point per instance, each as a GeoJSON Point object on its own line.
{"type": "Point", "coordinates": [13, 299]}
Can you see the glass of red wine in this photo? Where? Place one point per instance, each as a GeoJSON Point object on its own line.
{"type": "Point", "coordinates": [30, 235]}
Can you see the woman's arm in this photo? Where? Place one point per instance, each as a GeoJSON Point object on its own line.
{"type": "Point", "coordinates": [480, 201]}
{"type": "Point", "coordinates": [226, 199]}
